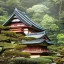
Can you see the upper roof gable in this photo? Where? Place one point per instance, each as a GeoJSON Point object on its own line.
{"type": "Point", "coordinates": [23, 18]}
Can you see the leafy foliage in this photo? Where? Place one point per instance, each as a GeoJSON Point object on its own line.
{"type": "Point", "coordinates": [15, 53]}
{"type": "Point", "coordinates": [2, 19]}
{"type": "Point", "coordinates": [30, 61]}
{"type": "Point", "coordinates": [62, 51]}
{"type": "Point", "coordinates": [60, 38]}
{"type": "Point", "coordinates": [49, 21]}
{"type": "Point", "coordinates": [20, 47]}
{"type": "Point", "coordinates": [37, 11]}
{"type": "Point", "coordinates": [60, 59]}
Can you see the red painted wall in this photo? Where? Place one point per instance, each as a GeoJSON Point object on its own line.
{"type": "Point", "coordinates": [36, 49]}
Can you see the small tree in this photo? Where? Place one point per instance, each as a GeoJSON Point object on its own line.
{"type": "Point", "coordinates": [62, 52]}
{"type": "Point", "coordinates": [60, 59]}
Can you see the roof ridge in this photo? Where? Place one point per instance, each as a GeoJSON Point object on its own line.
{"type": "Point", "coordinates": [32, 23]}
{"type": "Point", "coordinates": [20, 13]}
{"type": "Point", "coordinates": [16, 13]}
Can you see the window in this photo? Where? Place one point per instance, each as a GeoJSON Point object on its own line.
{"type": "Point", "coordinates": [15, 20]}
{"type": "Point", "coordinates": [18, 25]}
{"type": "Point", "coordinates": [26, 31]}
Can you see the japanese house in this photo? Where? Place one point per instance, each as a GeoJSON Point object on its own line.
{"type": "Point", "coordinates": [19, 22]}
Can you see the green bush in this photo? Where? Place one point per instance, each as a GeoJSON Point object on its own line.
{"type": "Point", "coordinates": [19, 47]}
{"type": "Point", "coordinates": [16, 53]}
{"type": "Point", "coordinates": [25, 54]}
{"type": "Point", "coordinates": [49, 57]}
{"type": "Point", "coordinates": [20, 60]}
{"type": "Point", "coordinates": [32, 62]}
{"type": "Point", "coordinates": [42, 60]}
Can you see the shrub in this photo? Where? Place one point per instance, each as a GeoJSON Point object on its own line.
{"type": "Point", "coordinates": [41, 60]}
{"type": "Point", "coordinates": [20, 47]}
{"type": "Point", "coordinates": [56, 60]}
{"type": "Point", "coordinates": [25, 54]}
{"type": "Point", "coordinates": [16, 53]}
{"type": "Point", "coordinates": [32, 62]}
{"type": "Point", "coordinates": [62, 51]}
{"type": "Point", "coordinates": [20, 60]}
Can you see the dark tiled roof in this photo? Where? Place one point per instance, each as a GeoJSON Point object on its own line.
{"type": "Point", "coordinates": [39, 38]}
{"type": "Point", "coordinates": [37, 41]}
{"type": "Point", "coordinates": [23, 18]}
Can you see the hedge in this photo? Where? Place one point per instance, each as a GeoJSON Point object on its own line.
{"type": "Point", "coordinates": [20, 60]}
